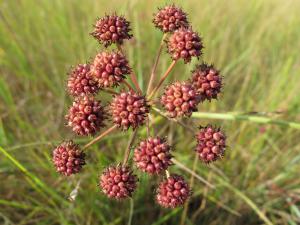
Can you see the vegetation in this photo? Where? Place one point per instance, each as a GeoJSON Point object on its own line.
{"type": "Point", "coordinates": [256, 46]}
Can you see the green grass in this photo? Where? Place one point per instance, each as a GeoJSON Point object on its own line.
{"type": "Point", "coordinates": [255, 44]}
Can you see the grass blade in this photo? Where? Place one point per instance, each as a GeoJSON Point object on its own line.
{"type": "Point", "coordinates": [32, 177]}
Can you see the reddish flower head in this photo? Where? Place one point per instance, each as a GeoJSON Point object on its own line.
{"type": "Point", "coordinates": [153, 155]}
{"type": "Point", "coordinates": [129, 109]}
{"type": "Point", "coordinates": [80, 81]}
{"type": "Point", "coordinates": [118, 182]}
{"type": "Point", "coordinates": [68, 159]}
{"type": "Point", "coordinates": [111, 29]}
{"type": "Point", "coordinates": [86, 116]}
{"type": "Point", "coordinates": [185, 44]}
{"type": "Point", "coordinates": [207, 81]}
{"type": "Point", "coordinates": [180, 99]}
{"type": "Point", "coordinates": [211, 144]}
{"type": "Point", "coordinates": [170, 18]}
{"type": "Point", "coordinates": [109, 69]}
{"type": "Point", "coordinates": [173, 192]}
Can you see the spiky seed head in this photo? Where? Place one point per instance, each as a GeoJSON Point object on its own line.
{"type": "Point", "coordinates": [173, 192]}
{"type": "Point", "coordinates": [207, 81]}
{"type": "Point", "coordinates": [80, 81]}
{"type": "Point", "coordinates": [111, 29]}
{"type": "Point", "coordinates": [180, 99]}
{"type": "Point", "coordinates": [68, 159]}
{"type": "Point", "coordinates": [153, 155]}
{"type": "Point", "coordinates": [118, 182]}
{"type": "Point", "coordinates": [211, 143]}
{"type": "Point", "coordinates": [184, 44]}
{"type": "Point", "coordinates": [109, 69]}
{"type": "Point", "coordinates": [86, 116]}
{"type": "Point", "coordinates": [129, 109]}
{"type": "Point", "coordinates": [170, 18]}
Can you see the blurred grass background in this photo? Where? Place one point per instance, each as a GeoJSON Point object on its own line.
{"type": "Point", "coordinates": [255, 44]}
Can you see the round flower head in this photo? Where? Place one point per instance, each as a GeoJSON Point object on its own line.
{"type": "Point", "coordinates": [109, 69]}
{"type": "Point", "coordinates": [173, 192]}
{"type": "Point", "coordinates": [68, 159]}
{"type": "Point", "coordinates": [129, 109]}
{"type": "Point", "coordinates": [207, 81]}
{"type": "Point", "coordinates": [184, 44]}
{"type": "Point", "coordinates": [153, 155]}
{"type": "Point", "coordinates": [180, 99]}
{"type": "Point", "coordinates": [118, 182]}
{"type": "Point", "coordinates": [86, 116]}
{"type": "Point", "coordinates": [170, 18]}
{"type": "Point", "coordinates": [211, 144]}
{"type": "Point", "coordinates": [111, 29]}
{"type": "Point", "coordinates": [80, 81]}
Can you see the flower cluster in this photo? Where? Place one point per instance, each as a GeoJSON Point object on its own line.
{"type": "Point", "coordinates": [153, 155]}
{"type": "Point", "coordinates": [129, 108]}
{"type": "Point", "coordinates": [109, 69]}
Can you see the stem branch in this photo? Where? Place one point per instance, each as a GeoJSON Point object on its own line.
{"type": "Point", "coordinates": [128, 85]}
{"type": "Point", "coordinates": [127, 152]}
{"type": "Point", "coordinates": [99, 137]}
{"type": "Point", "coordinates": [189, 128]}
{"type": "Point", "coordinates": [110, 91]}
{"type": "Point", "coordinates": [132, 74]}
{"type": "Point", "coordinates": [162, 79]}
{"type": "Point", "coordinates": [135, 82]}
{"type": "Point", "coordinates": [185, 209]}
{"type": "Point", "coordinates": [155, 64]}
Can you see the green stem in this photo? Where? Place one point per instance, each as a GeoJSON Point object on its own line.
{"type": "Point", "coordinates": [188, 170]}
{"type": "Point", "coordinates": [128, 149]}
{"type": "Point", "coordinates": [131, 211]}
{"type": "Point", "coordinates": [186, 205]}
{"type": "Point", "coordinates": [155, 64]}
{"type": "Point", "coordinates": [189, 128]}
{"type": "Point", "coordinates": [245, 117]}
